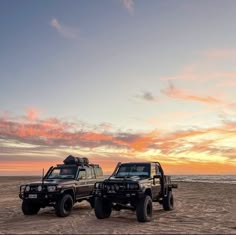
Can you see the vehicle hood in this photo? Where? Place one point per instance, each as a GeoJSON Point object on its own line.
{"type": "Point", "coordinates": [130, 179]}
{"type": "Point", "coordinates": [53, 182]}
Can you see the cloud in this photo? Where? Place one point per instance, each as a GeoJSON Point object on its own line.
{"type": "Point", "coordinates": [198, 76]}
{"type": "Point", "coordinates": [38, 141]}
{"type": "Point", "coordinates": [172, 92]}
{"type": "Point", "coordinates": [148, 96]}
{"type": "Point", "coordinates": [55, 133]}
{"type": "Point", "coordinates": [65, 31]}
{"type": "Point", "coordinates": [129, 5]}
{"type": "Point", "coordinates": [32, 114]}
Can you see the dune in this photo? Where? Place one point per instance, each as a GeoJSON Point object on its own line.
{"type": "Point", "coordinates": [200, 208]}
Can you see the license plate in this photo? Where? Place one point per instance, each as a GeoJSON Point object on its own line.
{"type": "Point", "coordinates": [32, 196]}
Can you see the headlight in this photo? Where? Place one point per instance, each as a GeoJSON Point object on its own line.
{"type": "Point", "coordinates": [39, 188]}
{"type": "Point", "coordinates": [117, 187]}
{"type": "Point", "coordinates": [27, 188]}
{"type": "Point", "coordinates": [52, 188]}
{"type": "Point", "coordinates": [132, 186]}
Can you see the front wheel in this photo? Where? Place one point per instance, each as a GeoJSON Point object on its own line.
{"type": "Point", "coordinates": [64, 205]}
{"type": "Point", "coordinates": [30, 208]}
{"type": "Point", "coordinates": [144, 209]}
{"type": "Point", "coordinates": [168, 202]}
{"type": "Point", "coordinates": [102, 208]}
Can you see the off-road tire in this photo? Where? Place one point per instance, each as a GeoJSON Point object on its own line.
{"type": "Point", "coordinates": [64, 205]}
{"type": "Point", "coordinates": [102, 208]}
{"type": "Point", "coordinates": [144, 209]}
{"type": "Point", "coordinates": [30, 208]}
{"type": "Point", "coordinates": [168, 202]}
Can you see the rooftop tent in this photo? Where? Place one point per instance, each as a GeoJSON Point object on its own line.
{"type": "Point", "coordinates": [76, 160]}
{"type": "Point", "coordinates": [73, 160]}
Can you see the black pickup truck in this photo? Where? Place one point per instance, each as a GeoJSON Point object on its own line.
{"type": "Point", "coordinates": [61, 187]}
{"type": "Point", "coordinates": [134, 186]}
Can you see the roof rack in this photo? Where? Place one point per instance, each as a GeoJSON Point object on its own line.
{"type": "Point", "coordinates": [94, 165]}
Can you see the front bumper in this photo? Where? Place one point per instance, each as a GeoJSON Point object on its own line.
{"type": "Point", "coordinates": [43, 197]}
{"type": "Point", "coordinates": [119, 196]}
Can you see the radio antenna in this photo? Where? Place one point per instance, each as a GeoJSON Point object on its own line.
{"type": "Point", "coordinates": [43, 177]}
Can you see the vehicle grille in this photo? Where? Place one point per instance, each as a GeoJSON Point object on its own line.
{"type": "Point", "coordinates": [116, 187]}
{"type": "Point", "coordinates": [34, 188]}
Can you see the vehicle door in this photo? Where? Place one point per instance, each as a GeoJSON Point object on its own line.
{"type": "Point", "coordinates": [91, 179]}
{"type": "Point", "coordinates": [81, 184]}
{"type": "Point", "coordinates": [156, 186]}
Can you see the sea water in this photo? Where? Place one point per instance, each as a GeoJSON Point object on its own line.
{"type": "Point", "coordinates": [226, 179]}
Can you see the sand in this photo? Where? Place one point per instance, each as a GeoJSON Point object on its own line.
{"type": "Point", "coordinates": [200, 208]}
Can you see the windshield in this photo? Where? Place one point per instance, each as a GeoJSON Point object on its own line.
{"type": "Point", "coordinates": [63, 173]}
{"type": "Point", "coordinates": [128, 170]}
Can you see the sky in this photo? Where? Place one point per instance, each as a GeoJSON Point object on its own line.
{"type": "Point", "coordinates": [118, 81]}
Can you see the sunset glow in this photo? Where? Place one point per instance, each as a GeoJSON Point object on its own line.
{"type": "Point", "coordinates": [155, 82]}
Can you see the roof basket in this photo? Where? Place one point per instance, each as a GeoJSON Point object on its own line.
{"type": "Point", "coordinates": [76, 160]}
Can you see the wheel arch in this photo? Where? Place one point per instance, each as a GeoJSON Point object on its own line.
{"type": "Point", "coordinates": [71, 192]}
{"type": "Point", "coordinates": [148, 192]}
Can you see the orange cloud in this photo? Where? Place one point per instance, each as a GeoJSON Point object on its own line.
{"type": "Point", "coordinates": [199, 76]}
{"type": "Point", "coordinates": [35, 143]}
{"type": "Point", "coordinates": [175, 93]}
{"type": "Point", "coordinates": [193, 168]}
{"type": "Point", "coordinates": [144, 141]}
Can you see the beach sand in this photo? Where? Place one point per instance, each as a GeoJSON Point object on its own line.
{"type": "Point", "coordinates": [200, 208]}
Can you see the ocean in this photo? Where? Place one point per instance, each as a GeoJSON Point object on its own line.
{"type": "Point", "coordinates": [226, 179]}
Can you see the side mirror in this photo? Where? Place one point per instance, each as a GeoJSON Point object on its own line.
{"type": "Point", "coordinates": [156, 177]}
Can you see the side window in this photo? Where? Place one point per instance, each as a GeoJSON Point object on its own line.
{"type": "Point", "coordinates": [158, 171]}
{"type": "Point", "coordinates": [90, 173]}
{"type": "Point", "coordinates": [98, 171]}
{"type": "Point", "coordinates": [93, 173]}
{"type": "Point", "coordinates": [153, 170]}
{"type": "Point", "coordinates": [82, 175]}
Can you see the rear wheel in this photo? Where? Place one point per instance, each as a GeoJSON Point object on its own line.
{"type": "Point", "coordinates": [64, 205]}
{"type": "Point", "coordinates": [144, 209]}
{"type": "Point", "coordinates": [168, 202]}
{"type": "Point", "coordinates": [30, 208]}
{"type": "Point", "coordinates": [102, 208]}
